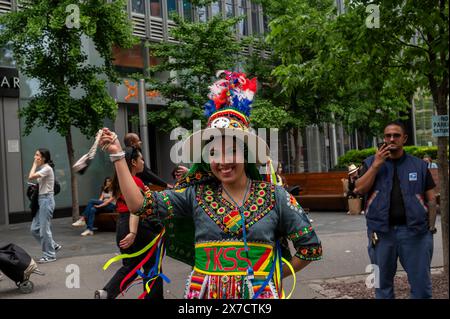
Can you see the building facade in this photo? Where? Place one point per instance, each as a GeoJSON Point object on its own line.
{"type": "Point", "coordinates": [317, 147]}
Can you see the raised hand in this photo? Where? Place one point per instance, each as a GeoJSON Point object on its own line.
{"type": "Point", "coordinates": [109, 142]}
{"type": "Point", "coordinates": [381, 155]}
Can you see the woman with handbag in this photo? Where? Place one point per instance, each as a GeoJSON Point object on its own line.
{"type": "Point", "coordinates": [42, 171]}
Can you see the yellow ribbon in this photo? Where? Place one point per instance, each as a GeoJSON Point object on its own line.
{"type": "Point", "coordinates": [293, 275]}
{"type": "Point", "coordinates": [140, 252]}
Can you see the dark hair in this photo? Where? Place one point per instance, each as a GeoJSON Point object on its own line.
{"type": "Point", "coordinates": [45, 154]}
{"type": "Point", "coordinates": [128, 139]}
{"type": "Point", "coordinates": [104, 187]}
{"type": "Point", "coordinates": [131, 153]}
{"type": "Point", "coordinates": [397, 123]}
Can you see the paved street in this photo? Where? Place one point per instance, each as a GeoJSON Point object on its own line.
{"type": "Point", "coordinates": [343, 238]}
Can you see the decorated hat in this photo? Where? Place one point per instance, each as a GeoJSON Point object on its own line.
{"type": "Point", "coordinates": [228, 112]}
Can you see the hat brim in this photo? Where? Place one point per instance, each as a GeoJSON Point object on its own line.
{"type": "Point", "coordinates": [353, 170]}
{"type": "Point", "coordinates": [194, 146]}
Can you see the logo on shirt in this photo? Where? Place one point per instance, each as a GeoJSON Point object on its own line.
{"type": "Point", "coordinates": [412, 177]}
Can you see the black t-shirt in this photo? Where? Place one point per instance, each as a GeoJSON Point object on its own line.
{"type": "Point", "coordinates": [397, 215]}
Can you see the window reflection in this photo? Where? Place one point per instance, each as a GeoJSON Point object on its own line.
{"type": "Point", "coordinates": [138, 6]}
{"type": "Point", "coordinates": [243, 28]}
{"type": "Point", "coordinates": [215, 8]}
{"type": "Point", "coordinates": [172, 6]}
{"type": "Point", "coordinates": [155, 8]}
{"type": "Point", "coordinates": [255, 19]}
{"type": "Point", "coordinates": [202, 14]}
{"type": "Point", "coordinates": [229, 8]}
{"type": "Point", "coordinates": [187, 10]}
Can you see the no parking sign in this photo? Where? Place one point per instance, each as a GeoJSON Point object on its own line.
{"type": "Point", "coordinates": [440, 125]}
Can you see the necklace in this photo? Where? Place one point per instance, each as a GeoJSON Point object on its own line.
{"type": "Point", "coordinates": [250, 273]}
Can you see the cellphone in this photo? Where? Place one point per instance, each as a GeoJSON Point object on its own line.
{"type": "Point", "coordinates": [380, 145]}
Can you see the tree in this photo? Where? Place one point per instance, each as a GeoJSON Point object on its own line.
{"type": "Point", "coordinates": [46, 38]}
{"type": "Point", "coordinates": [192, 62]}
{"type": "Point", "coordinates": [411, 39]}
{"type": "Point", "coordinates": [301, 34]}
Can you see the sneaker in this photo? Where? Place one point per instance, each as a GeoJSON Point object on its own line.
{"type": "Point", "coordinates": [101, 294]}
{"type": "Point", "coordinates": [87, 232]}
{"type": "Point", "coordinates": [362, 212]}
{"type": "Point", "coordinates": [79, 223]}
{"type": "Point", "coordinates": [44, 260]}
{"type": "Point", "coordinates": [57, 247]}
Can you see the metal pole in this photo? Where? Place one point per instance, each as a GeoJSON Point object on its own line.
{"type": "Point", "coordinates": [334, 153]}
{"type": "Point", "coordinates": [413, 121]}
{"type": "Point", "coordinates": [143, 121]}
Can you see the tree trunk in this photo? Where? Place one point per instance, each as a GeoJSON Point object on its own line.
{"type": "Point", "coordinates": [443, 184]}
{"type": "Point", "coordinates": [440, 97]}
{"type": "Point", "coordinates": [73, 177]}
{"type": "Point", "coordinates": [443, 181]}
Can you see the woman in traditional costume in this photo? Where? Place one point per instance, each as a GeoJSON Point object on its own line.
{"type": "Point", "coordinates": [239, 219]}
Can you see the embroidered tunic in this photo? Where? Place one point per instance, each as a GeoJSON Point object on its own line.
{"type": "Point", "coordinates": [221, 259]}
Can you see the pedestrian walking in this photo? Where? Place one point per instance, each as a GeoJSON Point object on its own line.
{"type": "Point", "coordinates": [400, 214]}
{"type": "Point", "coordinates": [42, 171]}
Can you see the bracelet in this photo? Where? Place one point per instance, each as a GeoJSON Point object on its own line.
{"type": "Point", "coordinates": [117, 156]}
{"type": "Point", "coordinates": [133, 233]}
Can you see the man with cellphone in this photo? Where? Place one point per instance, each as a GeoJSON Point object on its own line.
{"type": "Point", "coordinates": [400, 214]}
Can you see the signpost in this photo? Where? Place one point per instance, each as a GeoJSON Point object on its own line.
{"type": "Point", "coordinates": [440, 126]}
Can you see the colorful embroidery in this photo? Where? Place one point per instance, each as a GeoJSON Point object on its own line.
{"type": "Point", "coordinates": [166, 200]}
{"type": "Point", "coordinates": [293, 204]}
{"type": "Point", "coordinates": [148, 205]}
{"type": "Point", "coordinates": [302, 232]}
{"type": "Point", "coordinates": [309, 253]}
{"type": "Point", "coordinates": [225, 214]}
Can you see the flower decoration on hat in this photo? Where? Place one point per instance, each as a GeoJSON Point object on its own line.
{"type": "Point", "coordinates": [230, 100]}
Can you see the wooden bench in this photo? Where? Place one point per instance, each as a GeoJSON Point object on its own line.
{"type": "Point", "coordinates": [107, 221]}
{"type": "Point", "coordinates": [320, 191]}
{"type": "Point", "coordinates": [324, 192]}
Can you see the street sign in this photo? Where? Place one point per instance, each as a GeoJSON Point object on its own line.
{"type": "Point", "coordinates": [440, 125]}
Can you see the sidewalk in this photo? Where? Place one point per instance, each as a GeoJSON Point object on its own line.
{"type": "Point", "coordinates": [343, 238]}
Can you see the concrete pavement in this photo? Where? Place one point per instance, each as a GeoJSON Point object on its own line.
{"type": "Point", "coordinates": [343, 238]}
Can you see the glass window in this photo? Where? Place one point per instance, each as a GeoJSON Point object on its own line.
{"type": "Point", "coordinates": [255, 19]}
{"type": "Point", "coordinates": [202, 14]}
{"type": "Point", "coordinates": [266, 23]}
{"type": "Point", "coordinates": [172, 6]}
{"type": "Point", "coordinates": [138, 6]}
{"type": "Point", "coordinates": [229, 8]}
{"type": "Point", "coordinates": [215, 8]}
{"type": "Point", "coordinates": [243, 28]}
{"type": "Point", "coordinates": [187, 10]}
{"type": "Point", "coordinates": [155, 8]}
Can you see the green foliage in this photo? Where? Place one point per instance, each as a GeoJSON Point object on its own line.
{"type": "Point", "coordinates": [192, 63]}
{"type": "Point", "coordinates": [47, 48]}
{"type": "Point", "coordinates": [358, 156]}
{"type": "Point", "coordinates": [321, 73]}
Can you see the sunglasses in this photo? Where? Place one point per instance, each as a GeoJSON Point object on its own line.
{"type": "Point", "coordinates": [395, 135]}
